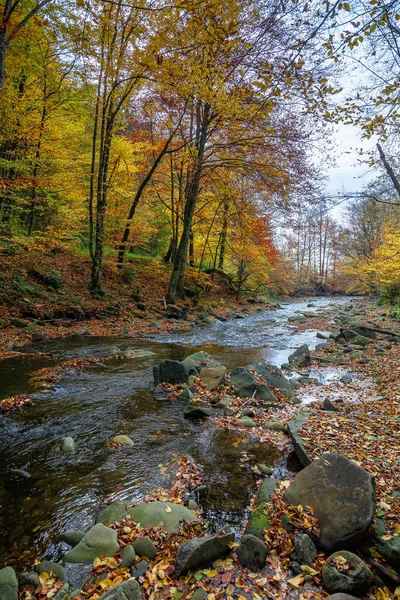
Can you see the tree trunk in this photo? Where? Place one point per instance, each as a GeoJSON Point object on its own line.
{"type": "Point", "coordinates": [2, 54]}
{"type": "Point", "coordinates": [389, 169]}
{"type": "Point", "coordinates": [223, 237]}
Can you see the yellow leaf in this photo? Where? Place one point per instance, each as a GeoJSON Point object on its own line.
{"type": "Point", "coordinates": [43, 577]}
{"type": "Point", "coordinates": [106, 584]}
{"type": "Point", "coordinates": [296, 581]}
{"type": "Point", "coordinates": [346, 6]}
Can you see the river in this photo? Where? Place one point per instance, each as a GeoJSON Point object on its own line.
{"type": "Point", "coordinates": [65, 492]}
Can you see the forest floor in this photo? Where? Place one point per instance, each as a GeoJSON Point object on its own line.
{"type": "Point", "coordinates": [47, 295]}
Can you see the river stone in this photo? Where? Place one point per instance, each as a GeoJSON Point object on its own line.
{"type": "Point", "coordinates": [201, 552]}
{"type": "Point", "coordinates": [342, 495]}
{"type": "Point", "coordinates": [148, 514]}
{"type": "Point", "coordinates": [72, 538]}
{"type": "Point", "coordinates": [346, 378]}
{"type": "Point", "coordinates": [51, 567]}
{"type": "Point", "coordinates": [68, 445]}
{"type": "Point", "coordinates": [212, 377]}
{"type": "Point", "coordinates": [99, 541]}
{"type": "Point", "coordinates": [246, 422]}
{"type": "Point", "coordinates": [282, 384]}
{"type": "Point", "coordinates": [357, 580]}
{"type": "Point", "coordinates": [341, 596]}
{"type": "Point", "coordinates": [301, 357]}
{"type": "Point", "coordinates": [195, 362]}
{"type": "Point", "coordinates": [328, 406]}
{"type": "Point", "coordinates": [19, 474]}
{"type": "Point", "coordinates": [389, 549]}
{"type": "Point", "coordinates": [364, 331]}
{"type": "Point", "coordinates": [128, 556]}
{"type": "Point", "coordinates": [124, 440]}
{"type": "Point", "coordinates": [191, 411]}
{"type": "Point", "coordinates": [258, 520]}
{"type": "Point", "coordinates": [145, 547]}
{"type": "Point", "coordinates": [139, 569]}
{"type": "Point", "coordinates": [293, 429]}
{"type": "Point", "coordinates": [252, 553]}
{"type": "Point", "coordinates": [245, 385]}
{"type": "Point", "coordinates": [305, 551]}
{"type": "Point", "coordinates": [199, 594]}
{"type": "Point", "coordinates": [186, 394]}
{"type": "Point", "coordinates": [361, 340]}
{"type": "Point", "coordinates": [170, 371]}
{"type": "Point", "coordinates": [62, 593]}
{"type": "Point", "coordinates": [29, 579]}
{"type": "Point", "coordinates": [127, 590]}
{"type": "Point", "coordinates": [8, 584]}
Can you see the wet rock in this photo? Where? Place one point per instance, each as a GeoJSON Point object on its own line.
{"type": "Point", "coordinates": [51, 567]}
{"type": "Point", "coordinates": [322, 336]}
{"type": "Point", "coordinates": [75, 594]}
{"type": "Point", "coordinates": [148, 514]}
{"type": "Point", "coordinates": [190, 411]}
{"type": "Point", "coordinates": [246, 422]}
{"type": "Point", "coordinates": [37, 336]}
{"type": "Point", "coordinates": [186, 394]}
{"type": "Point", "coordinates": [62, 593]}
{"type": "Point", "coordinates": [328, 406]}
{"type": "Point", "coordinates": [274, 426]}
{"type": "Point", "coordinates": [264, 469]}
{"type": "Point", "coordinates": [258, 520]}
{"type": "Point", "coordinates": [139, 569]}
{"type": "Point", "coordinates": [68, 445]}
{"type": "Point", "coordinates": [301, 357]}
{"type": "Point", "coordinates": [176, 312]}
{"type": "Point", "coordinates": [358, 578]}
{"type": "Point", "coordinates": [212, 377]}
{"type": "Point", "coordinates": [293, 429]}
{"type": "Point", "coordinates": [341, 596]}
{"type": "Point", "coordinates": [295, 383]}
{"type": "Point", "coordinates": [347, 378]}
{"type": "Point", "coordinates": [342, 495]}
{"type": "Point", "coordinates": [201, 552]}
{"type": "Point", "coordinates": [72, 538]}
{"type": "Point", "coordinates": [99, 541]}
{"type": "Point", "coordinates": [252, 553]}
{"type": "Point", "coordinates": [145, 547]}
{"type": "Point", "coordinates": [127, 590]}
{"type": "Point", "coordinates": [124, 440]}
{"type": "Point", "coordinates": [8, 584]}
{"type": "Point", "coordinates": [305, 551]}
{"type": "Point", "coordinates": [170, 371]}
{"type": "Point", "coordinates": [192, 505]}
{"type": "Point", "coordinates": [29, 579]}
{"type": "Point", "coordinates": [128, 556]}
{"type": "Point", "coordinates": [197, 361]}
{"type": "Point", "coordinates": [246, 386]}
{"type": "Point", "coordinates": [19, 474]}
{"type": "Point", "coordinates": [247, 412]}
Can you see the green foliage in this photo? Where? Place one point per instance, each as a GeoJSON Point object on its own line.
{"type": "Point", "coordinates": [128, 275]}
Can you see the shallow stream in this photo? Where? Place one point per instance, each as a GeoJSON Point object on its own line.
{"type": "Point", "coordinates": [66, 492]}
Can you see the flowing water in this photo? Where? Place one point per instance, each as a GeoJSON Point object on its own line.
{"type": "Point", "coordinates": [65, 492]}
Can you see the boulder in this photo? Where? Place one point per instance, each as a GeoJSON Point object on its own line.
{"type": "Point", "coordinates": [341, 596]}
{"type": "Point", "coordinates": [128, 556]}
{"type": "Point", "coordinates": [186, 394]}
{"type": "Point", "coordinates": [62, 593]}
{"type": "Point", "coordinates": [68, 445]}
{"type": "Point", "coordinates": [139, 569]}
{"type": "Point", "coordinates": [342, 495]}
{"type": "Point", "coordinates": [212, 377]}
{"type": "Point", "coordinates": [37, 336]}
{"type": "Point", "coordinates": [280, 383]}
{"type": "Point", "coordinates": [246, 422]}
{"type": "Point", "coordinates": [301, 357]}
{"type": "Point", "coordinates": [293, 429]}
{"type": "Point", "coordinates": [8, 584]}
{"type": "Point", "coordinates": [346, 378]}
{"type": "Point", "coordinates": [170, 371]}
{"type": "Point", "coordinates": [200, 552]}
{"type": "Point", "coordinates": [246, 386]}
{"type": "Point", "coordinates": [195, 362]}
{"type": "Point", "coordinates": [29, 579]}
{"type": "Point", "coordinates": [258, 520]}
{"type": "Point", "coordinates": [305, 551]}
{"type": "Point", "coordinates": [175, 312]}
{"type": "Point", "coordinates": [388, 548]}
{"type": "Point", "coordinates": [148, 514]}
{"type": "Point", "coordinates": [51, 567]}
{"type": "Point", "coordinates": [252, 553]}
{"type": "Point", "coordinates": [145, 547]}
{"type": "Point", "coordinates": [124, 440]}
{"type": "Point", "coordinates": [190, 411]}
{"type": "Point", "coordinates": [99, 541]}
{"type": "Point", "coordinates": [127, 590]}
{"type": "Point", "coordinates": [346, 572]}
{"type": "Point", "coordinates": [328, 406]}
{"type": "Point", "coordinates": [72, 538]}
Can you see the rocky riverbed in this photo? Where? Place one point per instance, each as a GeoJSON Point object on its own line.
{"type": "Point", "coordinates": [196, 527]}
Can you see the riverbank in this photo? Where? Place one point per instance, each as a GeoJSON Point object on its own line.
{"type": "Point", "coordinates": [353, 429]}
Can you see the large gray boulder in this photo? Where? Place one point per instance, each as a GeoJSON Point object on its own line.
{"type": "Point", "coordinates": [252, 552]}
{"type": "Point", "coordinates": [346, 572]}
{"type": "Point", "coordinates": [127, 590]}
{"type": "Point", "coordinates": [170, 371]}
{"type": "Point", "coordinates": [99, 541]}
{"type": "Point", "coordinates": [148, 514]}
{"type": "Point", "coordinates": [212, 377]}
{"type": "Point", "coordinates": [301, 357]}
{"type": "Point", "coordinates": [8, 584]}
{"type": "Point", "coordinates": [197, 361]}
{"type": "Point", "coordinates": [342, 495]}
{"type": "Point", "coordinates": [275, 378]}
{"type": "Point", "coordinates": [246, 386]}
{"type": "Point", "coordinates": [202, 551]}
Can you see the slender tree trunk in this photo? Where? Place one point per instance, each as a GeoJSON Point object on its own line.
{"type": "Point", "coordinates": [223, 237]}
{"type": "Point", "coordinates": [2, 54]}
{"type": "Point", "coordinates": [191, 249]}
{"type": "Point", "coordinates": [389, 169]}
{"type": "Point", "coordinates": [32, 212]}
